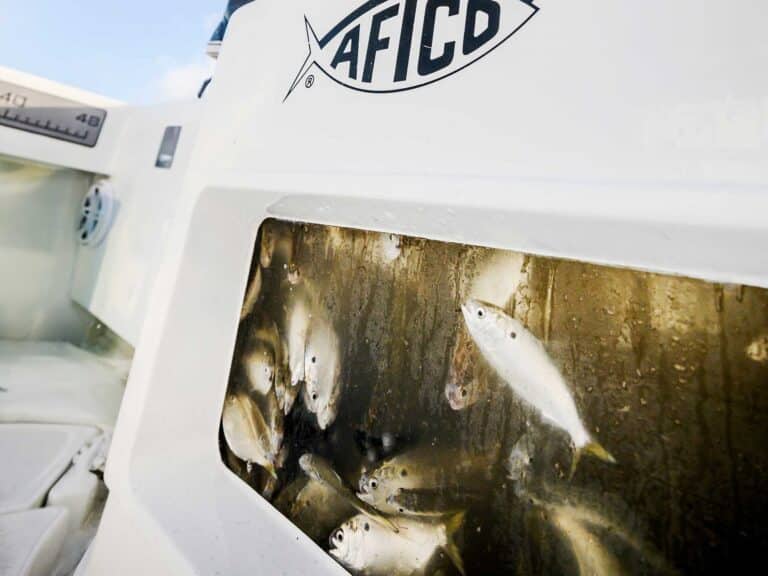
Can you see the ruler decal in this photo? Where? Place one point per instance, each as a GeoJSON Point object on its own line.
{"type": "Point", "coordinates": [48, 115]}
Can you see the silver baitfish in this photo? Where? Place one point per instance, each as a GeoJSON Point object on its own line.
{"type": "Point", "coordinates": [262, 356]}
{"type": "Point", "coordinates": [519, 463]}
{"type": "Point", "coordinates": [314, 507]}
{"type": "Point", "coordinates": [297, 327]}
{"type": "Point", "coordinates": [322, 368]}
{"type": "Point", "coordinates": [415, 473]}
{"type": "Point", "coordinates": [320, 470]}
{"type": "Point", "coordinates": [250, 435]}
{"type": "Point", "coordinates": [369, 548]}
{"type": "Point", "coordinates": [276, 244]}
{"type": "Point", "coordinates": [468, 374]}
{"type": "Point", "coordinates": [436, 502]}
{"type": "Point", "coordinates": [286, 394]}
{"type": "Point", "coordinates": [522, 362]}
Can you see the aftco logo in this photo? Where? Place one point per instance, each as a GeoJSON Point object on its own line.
{"type": "Point", "coordinates": [394, 45]}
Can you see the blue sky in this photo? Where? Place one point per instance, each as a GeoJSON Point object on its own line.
{"type": "Point", "coordinates": [139, 51]}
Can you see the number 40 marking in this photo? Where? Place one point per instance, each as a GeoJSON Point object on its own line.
{"type": "Point", "coordinates": [16, 100]}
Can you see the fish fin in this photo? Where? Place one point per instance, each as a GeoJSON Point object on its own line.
{"type": "Point", "coordinates": [386, 521]}
{"type": "Point", "coordinates": [425, 500]}
{"type": "Point", "coordinates": [271, 469]}
{"type": "Point", "coordinates": [452, 526]}
{"type": "Point", "coordinates": [593, 448]}
{"type": "Point", "coordinates": [365, 508]}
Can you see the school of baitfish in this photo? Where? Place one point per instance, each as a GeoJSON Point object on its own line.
{"type": "Point", "coordinates": [404, 513]}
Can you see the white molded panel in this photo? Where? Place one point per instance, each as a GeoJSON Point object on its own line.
{"type": "Point", "coordinates": [30, 541]}
{"type": "Point", "coordinates": [584, 92]}
{"type": "Point", "coordinates": [34, 457]}
{"type": "Point", "coordinates": [54, 382]}
{"type": "Point", "coordinates": [38, 214]}
{"type": "Point", "coordinates": [114, 279]}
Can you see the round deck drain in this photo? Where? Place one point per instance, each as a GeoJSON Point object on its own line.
{"type": "Point", "coordinates": [96, 214]}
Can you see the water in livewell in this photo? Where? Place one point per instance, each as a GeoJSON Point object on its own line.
{"type": "Point", "coordinates": [670, 375]}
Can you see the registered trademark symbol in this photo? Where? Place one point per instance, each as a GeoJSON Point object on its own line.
{"type": "Point", "coordinates": [309, 81]}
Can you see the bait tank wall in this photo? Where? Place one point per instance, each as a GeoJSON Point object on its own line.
{"type": "Point", "coordinates": [667, 373]}
{"type": "Point", "coordinates": [39, 207]}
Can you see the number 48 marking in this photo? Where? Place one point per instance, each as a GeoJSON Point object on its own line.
{"type": "Point", "coordinates": [91, 120]}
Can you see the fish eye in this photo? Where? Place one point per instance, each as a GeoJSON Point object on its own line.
{"type": "Point", "coordinates": [401, 510]}
{"type": "Point", "coordinates": [373, 484]}
{"type": "Point", "coordinates": [366, 526]}
{"type": "Point", "coordinates": [403, 472]}
{"type": "Point", "coordinates": [480, 313]}
{"type": "Point", "coordinates": [314, 360]}
{"type": "Point", "coordinates": [339, 536]}
{"type": "Point", "coordinates": [314, 395]}
{"type": "Point", "coordinates": [513, 335]}
{"type": "Point", "coordinates": [463, 392]}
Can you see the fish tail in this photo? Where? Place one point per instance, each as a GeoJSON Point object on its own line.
{"type": "Point", "coordinates": [452, 526]}
{"type": "Point", "coordinates": [592, 448]}
{"type": "Point", "coordinates": [270, 467]}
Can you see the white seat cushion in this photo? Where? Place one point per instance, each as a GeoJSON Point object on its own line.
{"type": "Point", "coordinates": [57, 383]}
{"type": "Point", "coordinates": [30, 541]}
{"type": "Point", "coordinates": [34, 456]}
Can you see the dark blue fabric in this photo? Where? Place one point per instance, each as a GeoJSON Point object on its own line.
{"type": "Point", "coordinates": [221, 29]}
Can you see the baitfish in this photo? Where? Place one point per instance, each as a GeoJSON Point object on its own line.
{"type": "Point", "coordinates": [322, 369]}
{"type": "Point", "coordinates": [321, 470]}
{"type": "Point", "coordinates": [286, 394]}
{"type": "Point", "coordinates": [423, 469]}
{"type": "Point", "coordinates": [314, 507]}
{"type": "Point", "coordinates": [262, 356]}
{"type": "Point", "coordinates": [431, 501]}
{"type": "Point", "coordinates": [369, 548]}
{"type": "Point", "coordinates": [276, 244]}
{"type": "Point", "coordinates": [249, 435]}
{"type": "Point", "coordinates": [522, 362]}
{"type": "Point", "coordinates": [468, 375]}
{"type": "Point", "coordinates": [297, 327]}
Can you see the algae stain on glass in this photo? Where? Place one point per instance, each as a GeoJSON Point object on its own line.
{"type": "Point", "coordinates": [420, 407]}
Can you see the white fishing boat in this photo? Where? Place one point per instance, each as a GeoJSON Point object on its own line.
{"type": "Point", "coordinates": [616, 154]}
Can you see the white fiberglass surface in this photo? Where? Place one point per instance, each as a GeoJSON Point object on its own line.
{"type": "Point", "coordinates": [38, 211]}
{"type": "Point", "coordinates": [30, 541]}
{"type": "Point", "coordinates": [55, 382]}
{"type": "Point", "coordinates": [34, 457]}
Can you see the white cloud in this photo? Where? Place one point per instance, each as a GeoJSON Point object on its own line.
{"type": "Point", "coordinates": [210, 22]}
{"type": "Point", "coordinates": [179, 82]}
{"type": "Point", "coordinates": [174, 80]}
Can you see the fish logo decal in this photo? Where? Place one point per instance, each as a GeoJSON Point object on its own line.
{"type": "Point", "coordinates": [386, 46]}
